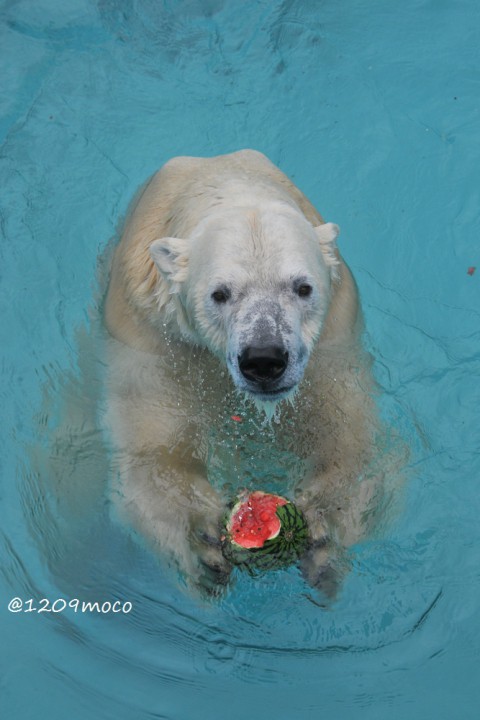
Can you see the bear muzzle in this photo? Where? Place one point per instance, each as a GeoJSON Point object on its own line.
{"type": "Point", "coordinates": [263, 366]}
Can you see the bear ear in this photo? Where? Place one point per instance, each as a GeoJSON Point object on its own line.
{"type": "Point", "coordinates": [171, 258]}
{"type": "Point", "coordinates": [327, 235]}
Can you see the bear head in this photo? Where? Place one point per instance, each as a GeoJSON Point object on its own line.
{"type": "Point", "coordinates": [253, 285]}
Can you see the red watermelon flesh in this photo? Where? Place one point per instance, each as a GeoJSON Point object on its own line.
{"type": "Point", "coordinates": [254, 520]}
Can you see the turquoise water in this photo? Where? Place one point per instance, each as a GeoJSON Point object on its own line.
{"type": "Point", "coordinates": [373, 108]}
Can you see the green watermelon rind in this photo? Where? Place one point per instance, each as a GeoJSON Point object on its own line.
{"type": "Point", "coordinates": [280, 551]}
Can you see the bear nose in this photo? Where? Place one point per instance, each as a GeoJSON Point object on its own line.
{"type": "Point", "coordinates": [263, 363]}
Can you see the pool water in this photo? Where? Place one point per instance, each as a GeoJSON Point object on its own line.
{"type": "Point", "coordinates": [373, 109]}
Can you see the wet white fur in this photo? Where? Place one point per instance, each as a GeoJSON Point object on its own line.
{"type": "Point", "coordinates": [233, 221]}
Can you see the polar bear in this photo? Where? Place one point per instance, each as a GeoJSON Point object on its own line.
{"type": "Point", "coordinates": [235, 330]}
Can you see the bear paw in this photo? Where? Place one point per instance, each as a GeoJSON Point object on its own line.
{"type": "Point", "coordinates": [213, 569]}
{"type": "Point", "coordinates": [324, 567]}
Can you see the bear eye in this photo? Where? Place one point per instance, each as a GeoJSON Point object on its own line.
{"type": "Point", "coordinates": [304, 290]}
{"type": "Point", "coordinates": [221, 295]}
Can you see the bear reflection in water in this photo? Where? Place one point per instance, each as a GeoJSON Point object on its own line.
{"type": "Point", "coordinates": [228, 297]}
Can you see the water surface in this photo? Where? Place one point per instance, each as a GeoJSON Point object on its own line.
{"type": "Point", "coordinates": [373, 109]}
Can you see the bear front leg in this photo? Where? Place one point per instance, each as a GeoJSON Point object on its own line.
{"type": "Point", "coordinates": [204, 528]}
{"type": "Point", "coordinates": [338, 513]}
{"type": "Point", "coordinates": [179, 512]}
{"type": "Point", "coordinates": [321, 563]}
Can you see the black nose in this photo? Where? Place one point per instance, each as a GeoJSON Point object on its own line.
{"type": "Point", "coordinates": [260, 364]}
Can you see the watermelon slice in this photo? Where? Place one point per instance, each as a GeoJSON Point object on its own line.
{"type": "Point", "coordinates": [264, 531]}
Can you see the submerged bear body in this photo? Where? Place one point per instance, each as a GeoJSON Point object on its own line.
{"type": "Point", "coordinates": [235, 341]}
